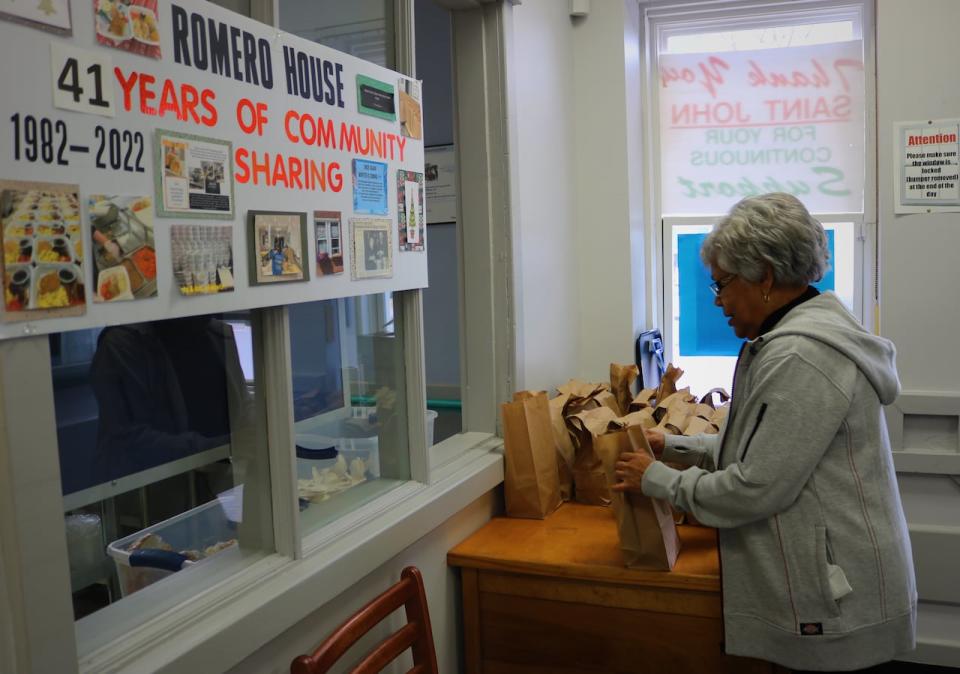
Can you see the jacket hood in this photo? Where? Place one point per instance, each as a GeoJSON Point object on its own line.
{"type": "Point", "coordinates": [825, 319]}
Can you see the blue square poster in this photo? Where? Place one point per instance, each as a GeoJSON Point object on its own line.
{"type": "Point", "coordinates": [369, 187]}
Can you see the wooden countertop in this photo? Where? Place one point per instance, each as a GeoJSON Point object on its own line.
{"type": "Point", "coordinates": [580, 542]}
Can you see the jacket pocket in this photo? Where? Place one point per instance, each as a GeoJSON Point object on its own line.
{"type": "Point", "coordinates": [833, 581]}
{"type": "Point", "coordinates": [756, 426]}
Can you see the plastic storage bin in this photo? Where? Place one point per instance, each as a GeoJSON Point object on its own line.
{"type": "Point", "coordinates": [195, 529]}
{"type": "Point", "coordinates": [312, 446]}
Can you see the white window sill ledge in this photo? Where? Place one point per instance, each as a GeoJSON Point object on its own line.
{"type": "Point", "coordinates": [234, 619]}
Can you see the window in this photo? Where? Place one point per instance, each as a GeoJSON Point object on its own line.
{"type": "Point", "coordinates": [349, 407]}
{"type": "Point", "coordinates": [748, 101]}
{"type": "Point", "coordinates": [362, 29]}
{"type": "Point", "coordinates": [160, 427]}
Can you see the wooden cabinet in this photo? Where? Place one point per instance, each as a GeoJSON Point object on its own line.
{"type": "Point", "coordinates": [553, 597]}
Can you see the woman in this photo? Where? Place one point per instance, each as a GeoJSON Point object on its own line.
{"type": "Point", "coordinates": [816, 564]}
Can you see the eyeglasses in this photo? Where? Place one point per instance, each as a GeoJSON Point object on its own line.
{"type": "Point", "coordinates": [718, 286]}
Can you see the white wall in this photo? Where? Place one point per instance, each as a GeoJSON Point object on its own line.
{"type": "Point", "coordinates": [919, 310]}
{"type": "Point", "coordinates": [608, 193]}
{"type": "Point", "coordinates": [579, 240]}
{"type": "Point", "coordinates": [429, 554]}
{"type": "Point", "coordinates": [545, 240]}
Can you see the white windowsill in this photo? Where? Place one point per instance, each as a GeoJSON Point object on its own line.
{"type": "Point", "coordinates": [274, 594]}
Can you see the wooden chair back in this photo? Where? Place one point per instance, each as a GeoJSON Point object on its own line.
{"type": "Point", "coordinates": [416, 634]}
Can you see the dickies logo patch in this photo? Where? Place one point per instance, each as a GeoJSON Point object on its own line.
{"type": "Point", "coordinates": [811, 629]}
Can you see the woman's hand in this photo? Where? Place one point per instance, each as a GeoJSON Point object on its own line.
{"type": "Point", "coordinates": [629, 470]}
{"type": "Point", "coordinates": [655, 438]}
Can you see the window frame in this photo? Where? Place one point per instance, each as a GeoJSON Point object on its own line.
{"type": "Point", "coordinates": [693, 16]}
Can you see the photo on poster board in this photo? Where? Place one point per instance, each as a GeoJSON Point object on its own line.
{"type": "Point", "coordinates": [49, 15]}
{"type": "Point", "coordinates": [130, 25]}
{"type": "Point", "coordinates": [42, 251]}
{"type": "Point", "coordinates": [275, 245]}
{"type": "Point", "coordinates": [194, 176]}
{"type": "Point", "coordinates": [411, 115]}
{"type": "Point", "coordinates": [376, 98]}
{"type": "Point", "coordinates": [329, 242]}
{"type": "Point", "coordinates": [122, 246]}
{"type": "Point", "coordinates": [369, 187]}
{"type": "Point", "coordinates": [410, 215]}
{"type": "Point", "coordinates": [202, 257]}
{"type": "Point", "coordinates": [371, 248]}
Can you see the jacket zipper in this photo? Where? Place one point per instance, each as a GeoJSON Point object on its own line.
{"type": "Point", "coordinates": [763, 408]}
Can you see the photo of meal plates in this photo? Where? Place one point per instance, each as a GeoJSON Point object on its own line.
{"type": "Point", "coordinates": [42, 248]}
{"type": "Point", "coordinates": [124, 255]}
{"type": "Point", "coordinates": [131, 25]}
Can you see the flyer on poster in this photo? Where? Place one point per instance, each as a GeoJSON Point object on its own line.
{"type": "Point", "coordinates": [209, 116]}
{"type": "Point", "coordinates": [195, 176]}
{"type": "Point", "coordinates": [927, 170]}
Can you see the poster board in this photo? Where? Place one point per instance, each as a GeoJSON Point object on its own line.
{"type": "Point", "coordinates": [209, 116]}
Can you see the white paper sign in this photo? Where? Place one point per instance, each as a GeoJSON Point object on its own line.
{"type": "Point", "coordinates": [441, 184]}
{"type": "Point", "coordinates": [927, 175]}
{"type": "Point", "coordinates": [82, 79]}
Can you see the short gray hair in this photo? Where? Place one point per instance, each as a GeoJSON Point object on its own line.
{"type": "Point", "coordinates": [771, 229]}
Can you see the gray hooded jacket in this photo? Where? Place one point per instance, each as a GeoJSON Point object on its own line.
{"type": "Point", "coordinates": [816, 564]}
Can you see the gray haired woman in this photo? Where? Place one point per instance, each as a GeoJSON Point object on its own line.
{"type": "Point", "coordinates": [816, 564]}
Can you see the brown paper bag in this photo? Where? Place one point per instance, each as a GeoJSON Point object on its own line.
{"type": "Point", "coordinates": [648, 535]}
{"type": "Point", "coordinates": [668, 382]}
{"type": "Point", "coordinates": [720, 414]}
{"type": "Point", "coordinates": [565, 449]}
{"type": "Point", "coordinates": [585, 396]}
{"type": "Point", "coordinates": [646, 398]}
{"type": "Point", "coordinates": [707, 398]}
{"type": "Point", "coordinates": [675, 420]}
{"type": "Point", "coordinates": [643, 417]}
{"type": "Point", "coordinates": [531, 482]}
{"type": "Point", "coordinates": [589, 480]}
{"type": "Point", "coordinates": [580, 389]}
{"type": "Point", "coordinates": [697, 425]}
{"type": "Point", "coordinates": [621, 383]}
{"type": "Point", "coordinates": [679, 400]}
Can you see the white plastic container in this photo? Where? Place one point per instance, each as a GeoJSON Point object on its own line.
{"type": "Point", "coordinates": [431, 420]}
{"type": "Point", "coordinates": [348, 445]}
{"type": "Point", "coordinates": [195, 529]}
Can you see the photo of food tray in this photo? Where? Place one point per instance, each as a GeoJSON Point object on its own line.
{"type": "Point", "coordinates": [113, 23]}
{"type": "Point", "coordinates": [113, 283]}
{"type": "Point", "coordinates": [124, 254]}
{"type": "Point", "coordinates": [42, 251]}
{"type": "Point", "coordinates": [143, 21]}
{"type": "Point", "coordinates": [131, 25]}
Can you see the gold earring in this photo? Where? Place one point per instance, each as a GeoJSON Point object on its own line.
{"type": "Point", "coordinates": [765, 296]}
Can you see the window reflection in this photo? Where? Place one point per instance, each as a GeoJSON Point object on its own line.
{"type": "Point", "coordinates": [162, 449]}
{"type": "Point", "coordinates": [165, 390]}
